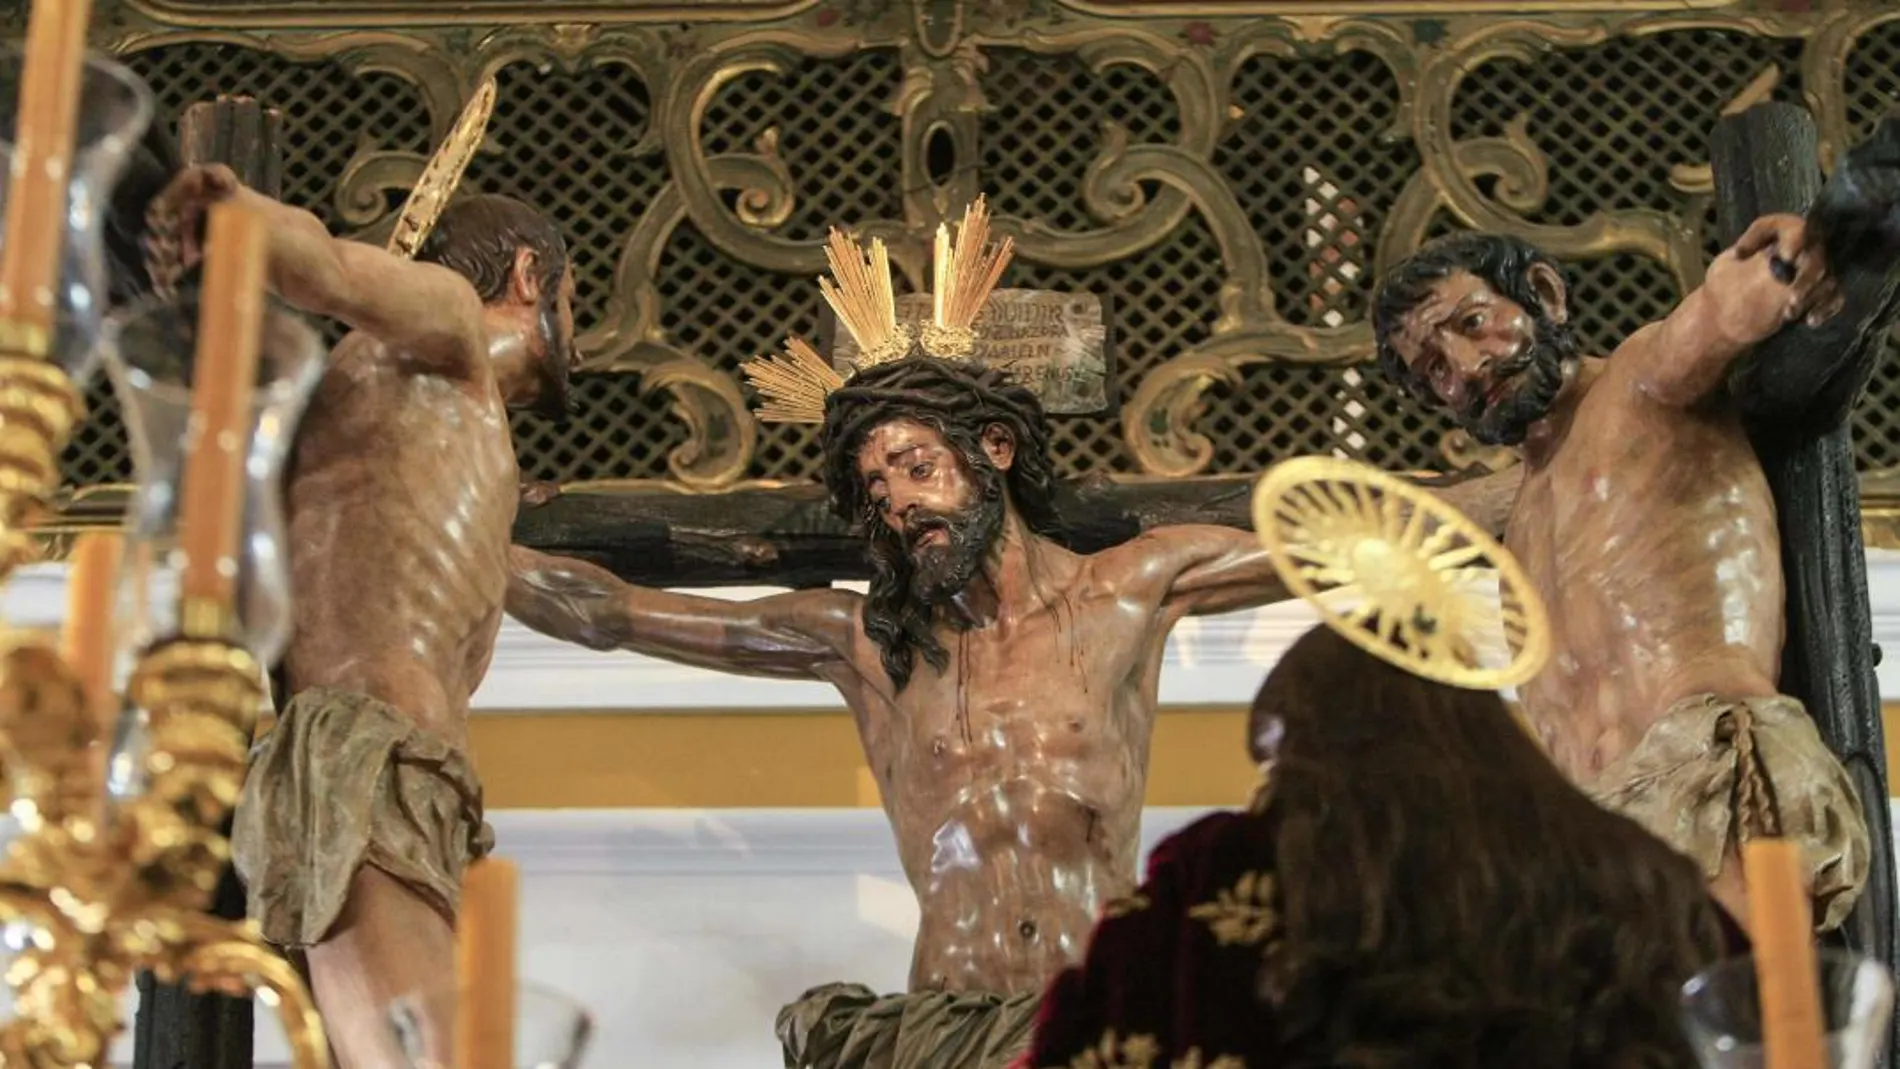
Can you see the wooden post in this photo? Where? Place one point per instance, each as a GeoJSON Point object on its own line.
{"type": "Point", "coordinates": [1798, 390]}
{"type": "Point", "coordinates": [175, 1028]}
{"type": "Point", "coordinates": [240, 133]}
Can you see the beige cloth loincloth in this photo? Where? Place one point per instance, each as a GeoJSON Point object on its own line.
{"type": "Point", "coordinates": [1683, 783]}
{"type": "Point", "coordinates": [341, 781]}
{"type": "Point", "coordinates": [848, 1026]}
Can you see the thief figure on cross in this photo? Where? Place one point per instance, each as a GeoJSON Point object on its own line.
{"type": "Point", "coordinates": [1644, 518]}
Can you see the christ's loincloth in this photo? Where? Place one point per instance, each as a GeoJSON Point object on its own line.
{"type": "Point", "coordinates": [342, 781]}
{"type": "Point", "coordinates": [1714, 772]}
{"type": "Point", "coordinates": [848, 1026]}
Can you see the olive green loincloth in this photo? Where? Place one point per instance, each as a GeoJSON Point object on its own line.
{"type": "Point", "coordinates": [1685, 783]}
{"type": "Point", "coordinates": [342, 781]}
{"type": "Point", "coordinates": [848, 1026]}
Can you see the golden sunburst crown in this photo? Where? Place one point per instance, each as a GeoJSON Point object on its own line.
{"type": "Point", "coordinates": [1401, 573]}
{"type": "Point", "coordinates": [793, 383]}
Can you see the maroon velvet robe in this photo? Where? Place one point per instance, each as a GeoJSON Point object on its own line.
{"type": "Point", "coordinates": [1173, 975]}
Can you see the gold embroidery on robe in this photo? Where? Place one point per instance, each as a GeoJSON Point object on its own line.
{"type": "Point", "coordinates": [1244, 914]}
{"type": "Point", "coordinates": [1122, 907]}
{"type": "Point", "coordinates": [1135, 1052]}
{"type": "Point", "coordinates": [1192, 1060]}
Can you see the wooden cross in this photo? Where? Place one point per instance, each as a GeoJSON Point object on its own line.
{"type": "Point", "coordinates": [1798, 390]}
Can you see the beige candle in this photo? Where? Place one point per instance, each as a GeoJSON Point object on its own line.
{"type": "Point", "coordinates": [224, 376]}
{"type": "Point", "coordinates": [86, 635]}
{"type": "Point", "coordinates": [485, 965]}
{"type": "Point", "coordinates": [54, 65]}
{"type": "Point", "coordinates": [1781, 925]}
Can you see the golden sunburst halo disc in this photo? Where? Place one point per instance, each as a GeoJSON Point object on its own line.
{"type": "Point", "coordinates": [1418, 566]}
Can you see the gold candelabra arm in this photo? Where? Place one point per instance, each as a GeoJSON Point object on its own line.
{"type": "Point", "coordinates": [203, 696]}
{"type": "Point", "coordinates": [24, 903]}
{"type": "Point", "coordinates": [38, 408]}
{"type": "Point", "coordinates": [68, 1004]}
{"type": "Point", "coordinates": [49, 731]}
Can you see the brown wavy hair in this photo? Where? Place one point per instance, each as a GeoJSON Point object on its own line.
{"type": "Point", "coordinates": [1447, 897]}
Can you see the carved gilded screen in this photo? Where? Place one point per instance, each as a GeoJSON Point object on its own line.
{"type": "Point", "coordinates": [1229, 176]}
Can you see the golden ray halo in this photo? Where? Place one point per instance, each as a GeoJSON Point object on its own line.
{"type": "Point", "coordinates": [1333, 525]}
{"type": "Point", "coordinates": [442, 174]}
{"type": "Point", "coordinates": [793, 383]}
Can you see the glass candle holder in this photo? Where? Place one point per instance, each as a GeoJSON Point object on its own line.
{"type": "Point", "coordinates": [151, 359]}
{"type": "Point", "coordinates": [50, 344]}
{"type": "Point", "coordinates": [115, 108]}
{"type": "Point", "coordinates": [551, 1029]}
{"type": "Point", "coordinates": [1721, 1011]}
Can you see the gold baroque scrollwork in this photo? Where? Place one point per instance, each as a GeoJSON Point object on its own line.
{"type": "Point", "coordinates": [1659, 235]}
{"type": "Point", "coordinates": [1137, 195]}
{"type": "Point", "coordinates": [1111, 191]}
{"type": "Point", "coordinates": [1158, 418]}
{"type": "Point", "coordinates": [308, 13]}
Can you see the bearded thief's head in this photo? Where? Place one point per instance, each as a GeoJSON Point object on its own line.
{"type": "Point", "coordinates": [1476, 324]}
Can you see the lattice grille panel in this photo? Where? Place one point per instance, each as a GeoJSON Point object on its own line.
{"type": "Point", "coordinates": [1310, 163]}
{"type": "Point", "coordinates": [1044, 128]}
{"type": "Point", "coordinates": [325, 108]}
{"type": "Point", "coordinates": [328, 112]}
{"type": "Point", "coordinates": [612, 432]}
{"type": "Point", "coordinates": [729, 312]}
{"type": "Point", "coordinates": [1161, 300]}
{"type": "Point", "coordinates": [564, 142]}
{"type": "Point", "coordinates": [1612, 120]}
{"type": "Point", "coordinates": [840, 142]}
{"type": "Point", "coordinates": [836, 133]}
{"type": "Point", "coordinates": [1873, 90]}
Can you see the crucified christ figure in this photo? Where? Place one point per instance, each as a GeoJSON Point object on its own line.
{"type": "Point", "coordinates": [1644, 519]}
{"type": "Point", "coordinates": [1004, 690]}
{"type": "Point", "coordinates": [361, 808]}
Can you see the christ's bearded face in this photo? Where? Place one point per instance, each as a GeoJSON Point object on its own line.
{"type": "Point", "coordinates": [937, 510]}
{"type": "Point", "coordinates": [1496, 365]}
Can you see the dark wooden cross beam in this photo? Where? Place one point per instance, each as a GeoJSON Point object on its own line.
{"type": "Point", "coordinates": [175, 1028]}
{"type": "Point", "coordinates": [1798, 390]}
{"type": "Point", "coordinates": [787, 536]}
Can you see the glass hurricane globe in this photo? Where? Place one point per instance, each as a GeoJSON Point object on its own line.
{"type": "Point", "coordinates": [151, 358]}
{"type": "Point", "coordinates": [115, 108]}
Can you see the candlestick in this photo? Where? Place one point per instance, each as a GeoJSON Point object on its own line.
{"type": "Point", "coordinates": [485, 965]}
{"type": "Point", "coordinates": [1782, 929]}
{"type": "Point", "coordinates": [87, 634]}
{"type": "Point", "coordinates": [42, 163]}
{"type": "Point", "coordinates": [223, 378]}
